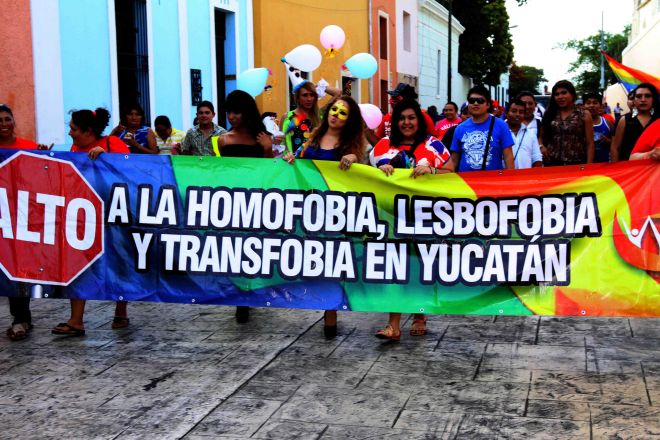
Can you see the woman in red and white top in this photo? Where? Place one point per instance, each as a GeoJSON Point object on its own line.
{"type": "Point", "coordinates": [409, 147]}
{"type": "Point", "coordinates": [86, 129]}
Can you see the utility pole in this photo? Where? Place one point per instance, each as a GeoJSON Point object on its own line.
{"type": "Point", "coordinates": [602, 58]}
{"type": "Point", "coordinates": [449, 54]}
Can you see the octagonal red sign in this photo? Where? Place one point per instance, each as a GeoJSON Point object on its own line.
{"type": "Point", "coordinates": [51, 220]}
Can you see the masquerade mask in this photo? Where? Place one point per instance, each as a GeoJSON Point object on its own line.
{"type": "Point", "coordinates": [339, 110]}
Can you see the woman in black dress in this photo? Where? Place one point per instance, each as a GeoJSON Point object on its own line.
{"type": "Point", "coordinates": [247, 137]}
{"type": "Point", "coordinates": [630, 128]}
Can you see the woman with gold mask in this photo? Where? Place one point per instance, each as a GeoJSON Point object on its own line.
{"type": "Point", "coordinates": [340, 138]}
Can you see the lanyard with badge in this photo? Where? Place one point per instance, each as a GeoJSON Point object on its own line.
{"type": "Point", "coordinates": [520, 143]}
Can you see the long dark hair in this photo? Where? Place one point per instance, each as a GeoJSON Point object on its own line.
{"type": "Point", "coordinates": [396, 137]}
{"type": "Point", "coordinates": [655, 108]}
{"type": "Point", "coordinates": [97, 120]}
{"type": "Point", "coordinates": [243, 103]}
{"type": "Point", "coordinates": [553, 108]}
{"type": "Point", "coordinates": [351, 136]}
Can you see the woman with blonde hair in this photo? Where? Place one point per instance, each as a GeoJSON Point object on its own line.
{"type": "Point", "coordinates": [298, 124]}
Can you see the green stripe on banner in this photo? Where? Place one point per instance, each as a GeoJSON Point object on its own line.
{"type": "Point", "coordinates": [236, 172]}
{"type": "Point", "coordinates": [324, 175]}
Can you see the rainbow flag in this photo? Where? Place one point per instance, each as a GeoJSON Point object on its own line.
{"type": "Point", "coordinates": [629, 77]}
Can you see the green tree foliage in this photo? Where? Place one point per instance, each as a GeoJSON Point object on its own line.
{"type": "Point", "coordinates": [523, 78]}
{"type": "Point", "coordinates": [587, 65]}
{"type": "Point", "coordinates": [485, 48]}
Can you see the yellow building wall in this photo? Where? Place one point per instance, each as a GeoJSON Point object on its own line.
{"type": "Point", "coordinates": [282, 25]}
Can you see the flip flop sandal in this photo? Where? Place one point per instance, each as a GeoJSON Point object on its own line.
{"type": "Point", "coordinates": [388, 333]}
{"type": "Point", "coordinates": [119, 322]}
{"type": "Point", "coordinates": [418, 327]}
{"type": "Point", "coordinates": [65, 329]}
{"type": "Point", "coordinates": [18, 332]}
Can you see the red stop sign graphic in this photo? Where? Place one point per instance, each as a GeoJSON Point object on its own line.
{"type": "Point", "coordinates": [51, 220]}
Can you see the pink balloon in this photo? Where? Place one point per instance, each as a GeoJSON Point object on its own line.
{"type": "Point", "coordinates": [371, 114]}
{"type": "Point", "coordinates": [332, 37]}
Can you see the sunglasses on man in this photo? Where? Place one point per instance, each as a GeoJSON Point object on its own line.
{"type": "Point", "coordinates": [476, 100]}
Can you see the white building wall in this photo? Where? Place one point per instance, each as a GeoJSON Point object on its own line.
{"type": "Point", "coordinates": [406, 41]}
{"type": "Point", "coordinates": [47, 60]}
{"type": "Point", "coordinates": [433, 23]}
{"type": "Point", "coordinates": [642, 50]}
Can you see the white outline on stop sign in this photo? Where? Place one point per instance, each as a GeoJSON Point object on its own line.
{"type": "Point", "coordinates": [102, 220]}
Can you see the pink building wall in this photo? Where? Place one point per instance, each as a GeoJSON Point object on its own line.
{"type": "Point", "coordinates": [17, 75]}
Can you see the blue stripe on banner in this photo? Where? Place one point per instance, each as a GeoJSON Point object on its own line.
{"type": "Point", "coordinates": [114, 275]}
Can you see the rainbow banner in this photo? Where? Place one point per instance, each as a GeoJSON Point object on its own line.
{"type": "Point", "coordinates": [629, 77]}
{"type": "Point", "coordinates": [578, 240]}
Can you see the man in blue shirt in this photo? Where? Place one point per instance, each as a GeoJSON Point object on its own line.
{"type": "Point", "coordinates": [469, 144]}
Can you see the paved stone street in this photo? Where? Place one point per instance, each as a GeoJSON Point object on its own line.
{"type": "Point", "coordinates": [189, 371]}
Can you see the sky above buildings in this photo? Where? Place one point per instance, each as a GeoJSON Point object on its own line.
{"type": "Point", "coordinates": [541, 25]}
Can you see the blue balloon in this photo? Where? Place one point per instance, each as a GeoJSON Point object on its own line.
{"type": "Point", "coordinates": [253, 81]}
{"type": "Point", "coordinates": [362, 65]}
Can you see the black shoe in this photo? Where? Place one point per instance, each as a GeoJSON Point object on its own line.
{"type": "Point", "coordinates": [330, 331]}
{"type": "Point", "coordinates": [242, 314]}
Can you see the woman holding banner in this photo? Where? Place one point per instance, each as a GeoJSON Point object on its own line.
{"type": "Point", "coordinates": [19, 306]}
{"type": "Point", "coordinates": [648, 144]}
{"type": "Point", "coordinates": [86, 128]}
{"type": "Point", "coordinates": [339, 138]}
{"type": "Point", "coordinates": [409, 147]}
{"type": "Point", "coordinates": [247, 137]}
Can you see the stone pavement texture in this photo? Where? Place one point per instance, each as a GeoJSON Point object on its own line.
{"type": "Point", "coordinates": [190, 372]}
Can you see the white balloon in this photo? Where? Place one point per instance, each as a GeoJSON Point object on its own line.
{"type": "Point", "coordinates": [305, 57]}
{"type": "Point", "coordinates": [371, 114]}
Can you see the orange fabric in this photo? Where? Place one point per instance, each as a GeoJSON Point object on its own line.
{"type": "Point", "coordinates": [111, 144]}
{"type": "Point", "coordinates": [649, 139]}
{"type": "Point", "coordinates": [22, 144]}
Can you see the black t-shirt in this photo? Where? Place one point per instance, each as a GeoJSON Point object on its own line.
{"type": "Point", "coordinates": [242, 150]}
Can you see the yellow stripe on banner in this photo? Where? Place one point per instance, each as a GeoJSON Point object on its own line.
{"type": "Point", "coordinates": [216, 149]}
